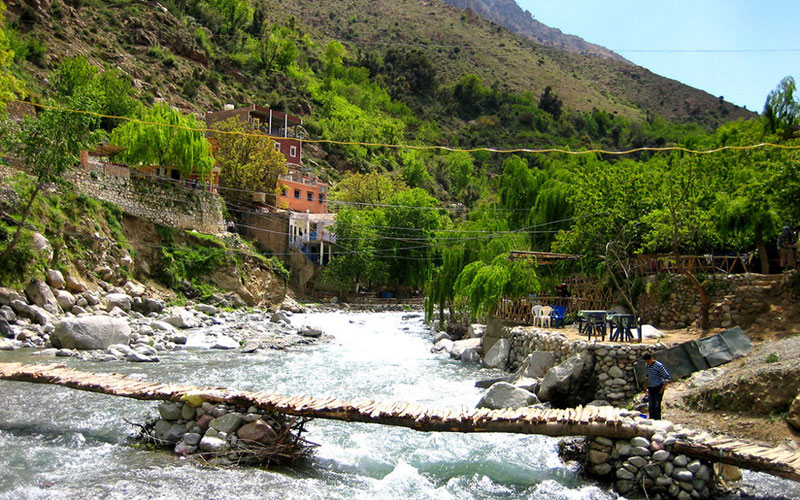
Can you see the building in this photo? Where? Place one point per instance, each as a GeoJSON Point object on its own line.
{"type": "Point", "coordinates": [311, 234]}
{"type": "Point", "coordinates": [282, 127]}
{"type": "Point", "coordinates": [302, 192]}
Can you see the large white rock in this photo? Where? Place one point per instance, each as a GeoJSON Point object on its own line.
{"type": "Point", "coordinates": [65, 299]}
{"type": "Point", "coordinates": [134, 288]}
{"type": "Point", "coordinates": [460, 346]}
{"type": "Point", "coordinates": [55, 279]}
{"type": "Point", "coordinates": [705, 377]}
{"type": "Point", "coordinates": [121, 300]}
{"type": "Point", "coordinates": [224, 342]}
{"type": "Point", "coordinates": [476, 330]}
{"type": "Point", "coordinates": [183, 319]}
{"type": "Point", "coordinates": [40, 294]}
{"type": "Point", "coordinates": [443, 345]}
{"type": "Point", "coordinates": [90, 332]}
{"type": "Point", "coordinates": [537, 364]}
{"type": "Point", "coordinates": [567, 385]}
{"type": "Point", "coordinates": [497, 356]}
{"type": "Point", "coordinates": [505, 395]}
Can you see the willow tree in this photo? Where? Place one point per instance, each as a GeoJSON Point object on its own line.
{"type": "Point", "coordinates": [484, 285]}
{"type": "Point", "coordinates": [164, 136]}
{"type": "Point", "coordinates": [248, 161]}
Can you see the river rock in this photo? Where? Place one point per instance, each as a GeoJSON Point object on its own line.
{"type": "Point", "coordinates": [65, 299]}
{"type": "Point", "coordinates": [40, 294]}
{"type": "Point", "coordinates": [680, 461]}
{"type": "Point", "coordinates": [206, 309]}
{"type": "Point", "coordinates": [74, 284]}
{"type": "Point", "coordinates": [55, 279]}
{"type": "Point", "coordinates": [497, 356]}
{"type": "Point", "coordinates": [139, 357]}
{"type": "Point", "coordinates": [258, 432]}
{"type": "Point", "coordinates": [121, 300]}
{"type": "Point", "coordinates": [8, 295]}
{"type": "Point", "coordinates": [134, 288]}
{"type": "Point", "coordinates": [640, 441]}
{"type": "Point", "coordinates": [7, 345]}
{"type": "Point", "coordinates": [567, 385]}
{"type": "Point", "coordinates": [90, 332]}
{"type": "Point", "coordinates": [33, 312]}
{"type": "Point", "coordinates": [471, 355]}
{"type": "Point", "coordinates": [291, 305]}
{"type": "Point", "coordinates": [459, 346]}
{"type": "Point", "coordinates": [313, 333]}
{"type": "Point", "coordinates": [224, 342]}
{"type": "Point", "coordinates": [441, 336]}
{"type": "Point", "coordinates": [170, 410]}
{"type": "Point", "coordinates": [183, 319]}
{"type": "Point", "coordinates": [623, 473]}
{"type": "Point", "coordinates": [227, 423]}
{"type": "Point", "coordinates": [192, 438]}
{"type": "Point", "coordinates": [280, 317]}
{"type": "Point", "coordinates": [476, 330]}
{"type": "Point", "coordinates": [505, 395]}
{"type": "Point", "coordinates": [682, 474]}
{"type": "Point", "coordinates": [661, 455]}
{"type": "Point", "coordinates": [537, 364]}
{"type": "Point", "coordinates": [184, 448]}
{"type": "Point", "coordinates": [8, 314]}
{"type": "Point", "coordinates": [214, 444]}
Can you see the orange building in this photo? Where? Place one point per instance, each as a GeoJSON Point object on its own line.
{"type": "Point", "coordinates": [302, 193]}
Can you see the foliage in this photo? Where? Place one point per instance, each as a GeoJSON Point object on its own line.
{"type": "Point", "coordinates": [10, 86]}
{"type": "Point", "coordinates": [192, 261]}
{"type": "Point", "coordinates": [782, 108]}
{"type": "Point", "coordinates": [485, 285]}
{"type": "Point", "coordinates": [248, 161]}
{"type": "Point", "coordinates": [179, 144]}
{"type": "Point", "coordinates": [366, 189]}
{"type": "Point", "coordinates": [550, 102]}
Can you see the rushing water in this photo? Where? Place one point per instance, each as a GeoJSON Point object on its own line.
{"type": "Point", "coordinates": [60, 443]}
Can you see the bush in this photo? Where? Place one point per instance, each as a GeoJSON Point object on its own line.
{"type": "Point", "coordinates": [16, 266]}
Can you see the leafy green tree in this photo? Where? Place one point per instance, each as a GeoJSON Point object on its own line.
{"type": "Point", "coordinates": [366, 189]}
{"type": "Point", "coordinates": [49, 145]}
{"type": "Point", "coordinates": [165, 136]}
{"type": "Point", "coordinates": [358, 261]}
{"type": "Point", "coordinates": [551, 103]}
{"type": "Point", "coordinates": [248, 161]}
{"type": "Point", "coordinates": [238, 14]}
{"type": "Point", "coordinates": [484, 286]}
{"type": "Point", "coordinates": [782, 109]}
{"type": "Point", "coordinates": [414, 169]}
{"type": "Point", "coordinates": [10, 86]}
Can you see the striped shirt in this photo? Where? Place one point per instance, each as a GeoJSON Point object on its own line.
{"type": "Point", "coordinates": [656, 373]}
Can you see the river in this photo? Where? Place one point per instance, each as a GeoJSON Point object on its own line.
{"type": "Point", "coordinates": [61, 443]}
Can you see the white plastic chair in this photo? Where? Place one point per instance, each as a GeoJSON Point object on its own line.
{"type": "Point", "coordinates": [544, 315]}
{"type": "Point", "coordinates": [535, 312]}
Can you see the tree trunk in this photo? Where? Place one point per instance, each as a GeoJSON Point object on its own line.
{"type": "Point", "coordinates": [25, 215]}
{"type": "Point", "coordinates": [762, 249]}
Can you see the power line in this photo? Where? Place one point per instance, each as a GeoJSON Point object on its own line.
{"type": "Point", "coordinates": [432, 147]}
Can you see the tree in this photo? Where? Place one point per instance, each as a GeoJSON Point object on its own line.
{"type": "Point", "coordinates": [358, 260]}
{"type": "Point", "coordinates": [248, 161]}
{"type": "Point", "coordinates": [49, 144]}
{"type": "Point", "coordinates": [550, 102]}
{"type": "Point", "coordinates": [485, 285]}
{"type": "Point", "coordinates": [366, 189]}
{"type": "Point", "coordinates": [165, 136]}
{"type": "Point", "coordinates": [10, 87]}
{"type": "Point", "coordinates": [782, 109]}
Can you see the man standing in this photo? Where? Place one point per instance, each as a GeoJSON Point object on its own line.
{"type": "Point", "coordinates": [657, 377]}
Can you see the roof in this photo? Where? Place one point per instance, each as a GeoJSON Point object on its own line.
{"type": "Point", "coordinates": [542, 258]}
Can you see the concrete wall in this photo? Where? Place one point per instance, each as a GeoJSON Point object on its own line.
{"type": "Point", "coordinates": [161, 203]}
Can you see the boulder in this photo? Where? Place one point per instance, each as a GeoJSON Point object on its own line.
{"type": "Point", "coordinates": [8, 295]}
{"type": "Point", "coordinates": [227, 423]}
{"type": "Point", "coordinates": [170, 411]}
{"type": "Point", "coordinates": [529, 384]}
{"type": "Point", "coordinates": [258, 432]}
{"type": "Point", "coordinates": [280, 317]}
{"type": "Point", "coordinates": [505, 395]}
{"type": "Point", "coordinates": [471, 355]}
{"type": "Point", "coordinates": [793, 416]}
{"type": "Point", "coordinates": [90, 332]}
{"type": "Point", "coordinates": [41, 246]}
{"type": "Point", "coordinates": [497, 356]}
{"type": "Point", "coordinates": [441, 335]}
{"type": "Point", "coordinates": [444, 345]}
{"type": "Point", "coordinates": [224, 342]}
{"type": "Point", "coordinates": [40, 294]}
{"type": "Point", "coordinates": [74, 284]}
{"type": "Point", "coordinates": [55, 279]}
{"type": "Point", "coordinates": [459, 346]}
{"type": "Point", "coordinates": [65, 299]}
{"type": "Point", "coordinates": [183, 319]}
{"type": "Point", "coordinates": [214, 444]}
{"type": "Point", "coordinates": [134, 288]}
{"type": "Point", "coordinates": [291, 305]}
{"type": "Point", "coordinates": [567, 385]}
{"type": "Point", "coordinates": [206, 309]}
{"type": "Point", "coordinates": [476, 330]}
{"type": "Point", "coordinates": [537, 364]}
{"type": "Point", "coordinates": [5, 329]}
{"type": "Point", "coordinates": [34, 313]}
{"type": "Point", "coordinates": [8, 314]}
{"type": "Point", "coordinates": [705, 377]}
{"type": "Point", "coordinates": [313, 333]}
{"type": "Point", "coordinates": [121, 300]}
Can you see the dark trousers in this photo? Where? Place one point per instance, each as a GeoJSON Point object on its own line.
{"type": "Point", "coordinates": [654, 397]}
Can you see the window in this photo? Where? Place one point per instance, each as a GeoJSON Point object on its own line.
{"type": "Point", "coordinates": [321, 198]}
{"type": "Point", "coordinates": [297, 193]}
{"type": "Point", "coordinates": [293, 151]}
{"type": "Point", "coordinates": [310, 196]}
{"type": "Point", "coordinates": [283, 191]}
{"type": "Point", "coordinates": [277, 146]}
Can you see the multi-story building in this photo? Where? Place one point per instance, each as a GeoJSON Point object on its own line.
{"type": "Point", "coordinates": [302, 193]}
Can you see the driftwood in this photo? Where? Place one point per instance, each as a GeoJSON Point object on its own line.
{"type": "Point", "coordinates": [591, 421]}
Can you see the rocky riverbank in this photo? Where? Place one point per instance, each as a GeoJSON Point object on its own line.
{"type": "Point", "coordinates": [65, 318]}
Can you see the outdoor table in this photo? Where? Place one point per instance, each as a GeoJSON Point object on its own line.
{"type": "Point", "coordinates": [594, 323]}
{"type": "Point", "coordinates": [619, 327]}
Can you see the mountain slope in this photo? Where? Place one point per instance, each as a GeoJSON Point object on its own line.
{"type": "Point", "coordinates": [520, 22]}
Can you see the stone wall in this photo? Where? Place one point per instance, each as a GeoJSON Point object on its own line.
{"type": "Point", "coordinates": [648, 466]}
{"type": "Point", "coordinates": [159, 202]}
{"type": "Point", "coordinates": [614, 373]}
{"type": "Point", "coordinates": [671, 301]}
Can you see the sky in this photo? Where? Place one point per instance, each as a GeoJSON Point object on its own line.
{"type": "Point", "coordinates": [739, 49]}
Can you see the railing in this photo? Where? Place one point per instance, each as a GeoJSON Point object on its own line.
{"type": "Point", "coordinates": [316, 236]}
{"type": "Point", "coordinates": [519, 310]}
{"type": "Point", "coordinates": [313, 257]}
{"type": "Point", "coordinates": [280, 132]}
{"type": "Point", "coordinates": [646, 265]}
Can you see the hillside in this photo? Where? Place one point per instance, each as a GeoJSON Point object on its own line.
{"type": "Point", "coordinates": [520, 22]}
{"type": "Point", "coordinates": [181, 61]}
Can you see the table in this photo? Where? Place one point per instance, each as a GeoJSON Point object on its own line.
{"type": "Point", "coordinates": [593, 322]}
{"type": "Point", "coordinates": [619, 327]}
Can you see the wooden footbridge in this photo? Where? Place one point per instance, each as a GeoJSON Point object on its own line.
{"type": "Point", "coordinates": [589, 421]}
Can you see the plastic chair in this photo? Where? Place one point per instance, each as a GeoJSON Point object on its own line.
{"type": "Point", "coordinates": [535, 312]}
{"type": "Point", "coordinates": [544, 315]}
{"type": "Point", "coordinates": [558, 315]}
